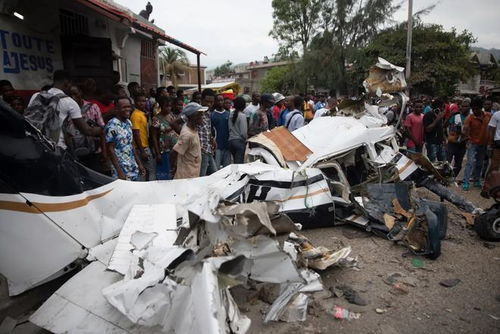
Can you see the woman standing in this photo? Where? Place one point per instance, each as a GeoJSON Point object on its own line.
{"type": "Point", "coordinates": [164, 132]}
{"type": "Point", "coordinates": [238, 131]}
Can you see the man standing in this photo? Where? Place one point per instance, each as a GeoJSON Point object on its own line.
{"type": "Point", "coordinates": [252, 108]}
{"type": "Point", "coordinates": [457, 143]}
{"type": "Point", "coordinates": [321, 103]}
{"type": "Point", "coordinates": [133, 89]}
{"type": "Point", "coordinates": [207, 141]}
{"type": "Point", "coordinates": [259, 120]}
{"type": "Point", "coordinates": [414, 124]}
{"type": "Point", "coordinates": [494, 167]}
{"type": "Point", "coordinates": [434, 131]}
{"type": "Point", "coordinates": [187, 152]}
{"type": "Point", "coordinates": [126, 162]}
{"type": "Point", "coordinates": [295, 119]}
{"type": "Point", "coordinates": [65, 107]}
{"type": "Point", "coordinates": [476, 130]}
{"type": "Point", "coordinates": [140, 131]}
{"type": "Point", "coordinates": [6, 89]}
{"type": "Point", "coordinates": [219, 118]}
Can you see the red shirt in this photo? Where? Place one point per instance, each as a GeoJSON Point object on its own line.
{"type": "Point", "coordinates": [478, 128]}
{"type": "Point", "coordinates": [103, 107]}
{"type": "Point", "coordinates": [415, 125]}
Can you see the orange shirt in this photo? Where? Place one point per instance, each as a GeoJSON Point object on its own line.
{"type": "Point", "coordinates": [478, 128]}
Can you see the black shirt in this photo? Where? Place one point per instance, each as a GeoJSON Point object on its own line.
{"type": "Point", "coordinates": [436, 135]}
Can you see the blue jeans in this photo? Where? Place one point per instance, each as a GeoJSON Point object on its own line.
{"type": "Point", "coordinates": [475, 160]}
{"type": "Point", "coordinates": [237, 148]}
{"type": "Point", "coordinates": [163, 168]}
{"type": "Point", "coordinates": [149, 166]}
{"type": "Point", "coordinates": [435, 151]}
{"type": "Point", "coordinates": [207, 164]}
{"type": "Point", "coordinates": [222, 158]}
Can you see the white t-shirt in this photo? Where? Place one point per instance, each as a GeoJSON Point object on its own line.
{"type": "Point", "coordinates": [321, 112]}
{"type": "Point", "coordinates": [67, 107]}
{"type": "Point", "coordinates": [495, 123]}
{"type": "Point", "coordinates": [251, 109]}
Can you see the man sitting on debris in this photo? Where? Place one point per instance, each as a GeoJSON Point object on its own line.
{"type": "Point", "coordinates": [476, 129]}
{"type": "Point", "coordinates": [434, 131]}
{"type": "Point", "coordinates": [414, 124]}
{"type": "Point", "coordinates": [186, 154]}
{"type": "Point", "coordinates": [295, 119]}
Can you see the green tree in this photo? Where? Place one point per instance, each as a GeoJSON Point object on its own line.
{"type": "Point", "coordinates": [224, 69]}
{"type": "Point", "coordinates": [295, 21]}
{"type": "Point", "coordinates": [279, 79]}
{"type": "Point", "coordinates": [173, 63]}
{"type": "Point", "coordinates": [329, 33]}
{"type": "Point", "coordinates": [348, 25]}
{"type": "Point", "coordinates": [440, 59]}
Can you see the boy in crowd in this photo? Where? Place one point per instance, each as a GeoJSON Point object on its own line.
{"type": "Point", "coordinates": [219, 118]}
{"type": "Point", "coordinates": [140, 130]}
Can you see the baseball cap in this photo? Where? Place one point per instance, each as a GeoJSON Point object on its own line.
{"type": "Point", "coordinates": [191, 108]}
{"type": "Point", "coordinates": [267, 98]}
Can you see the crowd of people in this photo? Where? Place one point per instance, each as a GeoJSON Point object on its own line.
{"type": "Point", "coordinates": [455, 129]}
{"type": "Point", "coordinates": [162, 134]}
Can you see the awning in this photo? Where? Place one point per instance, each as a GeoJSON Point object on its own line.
{"type": "Point", "coordinates": [114, 12]}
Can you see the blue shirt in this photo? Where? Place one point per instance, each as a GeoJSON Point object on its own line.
{"type": "Point", "coordinates": [220, 127]}
{"type": "Point", "coordinates": [294, 120]}
{"type": "Point", "coordinates": [427, 109]}
{"type": "Point", "coordinates": [319, 105]}
{"type": "Point", "coordinates": [282, 118]}
{"type": "Point", "coordinates": [120, 133]}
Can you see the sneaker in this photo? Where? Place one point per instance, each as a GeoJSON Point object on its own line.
{"type": "Point", "coordinates": [477, 184]}
{"type": "Point", "coordinates": [465, 186]}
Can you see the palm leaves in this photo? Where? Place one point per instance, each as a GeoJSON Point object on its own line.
{"type": "Point", "coordinates": [173, 63]}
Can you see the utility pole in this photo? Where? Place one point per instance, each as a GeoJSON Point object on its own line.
{"type": "Point", "coordinates": [408, 39]}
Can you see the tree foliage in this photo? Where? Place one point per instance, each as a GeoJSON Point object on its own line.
{"type": "Point", "coordinates": [329, 32]}
{"type": "Point", "coordinates": [278, 79]}
{"type": "Point", "coordinates": [173, 63]}
{"type": "Point", "coordinates": [224, 69]}
{"type": "Point", "coordinates": [440, 59]}
{"type": "Point", "coordinates": [295, 21]}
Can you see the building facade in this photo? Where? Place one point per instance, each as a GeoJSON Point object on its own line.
{"type": "Point", "coordinates": [89, 38]}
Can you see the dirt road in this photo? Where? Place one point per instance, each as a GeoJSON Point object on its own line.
{"type": "Point", "coordinates": [472, 306]}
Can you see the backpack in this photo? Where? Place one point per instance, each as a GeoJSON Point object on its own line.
{"type": "Point", "coordinates": [292, 115]}
{"type": "Point", "coordinates": [78, 143]}
{"type": "Point", "coordinates": [42, 113]}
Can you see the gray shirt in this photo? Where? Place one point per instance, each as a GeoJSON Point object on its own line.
{"type": "Point", "coordinates": [294, 120]}
{"type": "Point", "coordinates": [238, 129]}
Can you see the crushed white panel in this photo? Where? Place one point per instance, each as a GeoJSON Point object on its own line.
{"type": "Point", "coordinates": [357, 219]}
{"type": "Point", "coordinates": [270, 263]}
{"type": "Point", "coordinates": [405, 167]}
{"type": "Point", "coordinates": [156, 224]}
{"type": "Point", "coordinates": [79, 306]}
{"type": "Point", "coordinates": [103, 252]}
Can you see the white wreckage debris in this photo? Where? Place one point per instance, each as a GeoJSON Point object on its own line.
{"type": "Point", "coordinates": [154, 281]}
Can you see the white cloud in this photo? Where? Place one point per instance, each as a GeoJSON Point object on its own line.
{"type": "Point", "coordinates": [238, 30]}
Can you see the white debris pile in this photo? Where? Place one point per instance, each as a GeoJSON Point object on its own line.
{"type": "Point", "coordinates": [167, 278]}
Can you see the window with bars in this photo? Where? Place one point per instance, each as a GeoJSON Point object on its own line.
{"type": "Point", "coordinates": [73, 23]}
{"type": "Point", "coordinates": [148, 49]}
